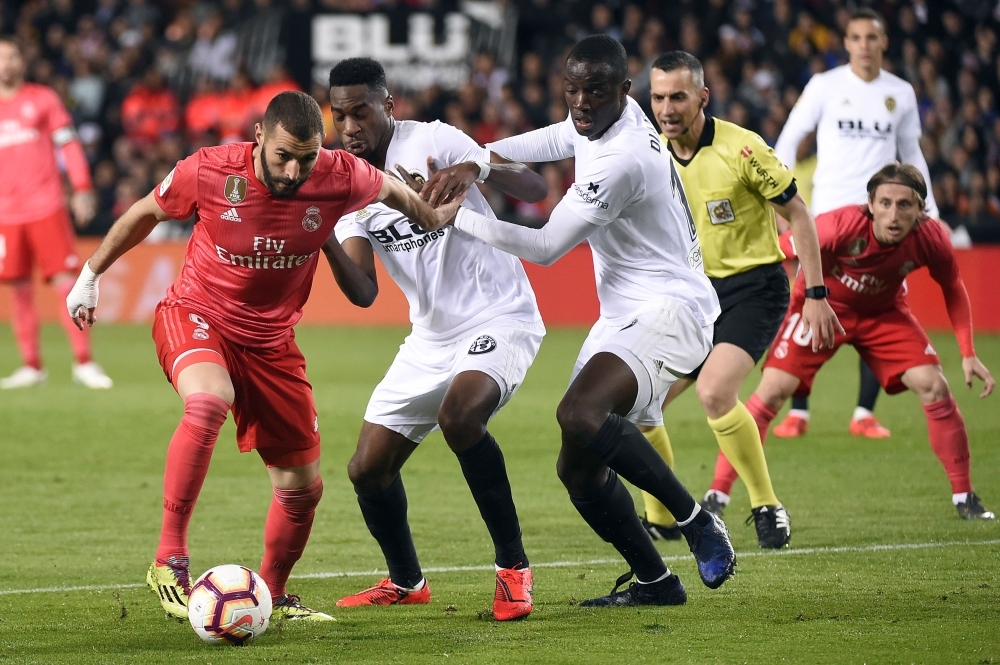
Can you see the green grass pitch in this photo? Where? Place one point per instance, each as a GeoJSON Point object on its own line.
{"type": "Point", "coordinates": [880, 569]}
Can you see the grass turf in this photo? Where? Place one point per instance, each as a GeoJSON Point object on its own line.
{"type": "Point", "coordinates": [80, 505]}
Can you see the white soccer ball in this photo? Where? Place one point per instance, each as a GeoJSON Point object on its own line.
{"type": "Point", "coordinates": [229, 604]}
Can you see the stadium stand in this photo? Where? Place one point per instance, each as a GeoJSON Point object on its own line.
{"type": "Point", "coordinates": [149, 82]}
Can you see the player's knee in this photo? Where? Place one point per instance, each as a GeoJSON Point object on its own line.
{"type": "Point", "coordinates": [717, 400]}
{"type": "Point", "coordinates": [934, 390]}
{"type": "Point", "coordinates": [461, 426]}
{"type": "Point", "coordinates": [368, 475]}
{"type": "Point", "coordinates": [576, 479]}
{"type": "Point", "coordinates": [578, 419]}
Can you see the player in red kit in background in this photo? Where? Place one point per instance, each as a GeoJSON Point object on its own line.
{"type": "Point", "coordinates": [224, 333]}
{"type": "Point", "coordinates": [34, 225]}
{"type": "Point", "coordinates": [867, 251]}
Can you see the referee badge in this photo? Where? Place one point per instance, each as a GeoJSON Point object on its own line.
{"type": "Point", "coordinates": [890, 104]}
{"type": "Point", "coordinates": [721, 211]}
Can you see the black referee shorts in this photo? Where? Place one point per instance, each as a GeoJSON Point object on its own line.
{"type": "Point", "coordinates": [753, 306]}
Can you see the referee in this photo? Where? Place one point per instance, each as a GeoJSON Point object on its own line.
{"type": "Point", "coordinates": [734, 184]}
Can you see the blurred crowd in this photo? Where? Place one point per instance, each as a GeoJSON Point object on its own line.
{"type": "Point", "coordinates": [150, 82]}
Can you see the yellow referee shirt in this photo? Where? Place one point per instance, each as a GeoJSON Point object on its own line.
{"type": "Point", "coordinates": [729, 182]}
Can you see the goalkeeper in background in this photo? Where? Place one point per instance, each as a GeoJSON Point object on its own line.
{"type": "Point", "coordinates": [734, 185]}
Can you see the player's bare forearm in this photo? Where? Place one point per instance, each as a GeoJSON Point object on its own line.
{"type": "Point", "coordinates": [128, 231]}
{"type": "Point", "coordinates": [353, 266]}
{"type": "Point", "coordinates": [816, 312]}
{"type": "Point", "coordinates": [516, 179]}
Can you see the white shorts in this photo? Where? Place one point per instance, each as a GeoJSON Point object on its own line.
{"type": "Point", "coordinates": [408, 398]}
{"type": "Point", "coordinates": [661, 343]}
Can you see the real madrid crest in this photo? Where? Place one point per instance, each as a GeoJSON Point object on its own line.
{"type": "Point", "coordinates": [857, 246]}
{"type": "Point", "coordinates": [890, 104]}
{"type": "Point", "coordinates": [236, 189]}
{"type": "Point", "coordinates": [312, 220]}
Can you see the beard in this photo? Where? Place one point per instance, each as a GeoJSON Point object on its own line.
{"type": "Point", "coordinates": [290, 187]}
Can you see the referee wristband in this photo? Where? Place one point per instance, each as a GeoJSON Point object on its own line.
{"type": "Point", "coordinates": [817, 292]}
{"type": "Point", "coordinates": [484, 171]}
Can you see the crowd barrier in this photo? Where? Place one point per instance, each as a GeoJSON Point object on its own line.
{"type": "Point", "coordinates": [565, 291]}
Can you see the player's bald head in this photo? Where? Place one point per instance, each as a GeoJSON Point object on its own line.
{"type": "Point", "coordinates": [297, 113]}
{"type": "Point", "coordinates": [604, 53]}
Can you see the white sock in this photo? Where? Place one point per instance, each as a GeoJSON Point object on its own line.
{"type": "Point", "coordinates": [694, 513]}
{"type": "Point", "coordinates": [721, 497]}
{"type": "Point", "coordinates": [658, 579]}
{"type": "Point", "coordinates": [420, 585]}
{"type": "Point", "coordinates": [961, 497]}
{"type": "Point", "coordinates": [799, 413]}
{"type": "Point", "coordinates": [861, 412]}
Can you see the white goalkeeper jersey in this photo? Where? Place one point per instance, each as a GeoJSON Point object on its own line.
{"type": "Point", "coordinates": [452, 281]}
{"type": "Point", "coordinates": [860, 127]}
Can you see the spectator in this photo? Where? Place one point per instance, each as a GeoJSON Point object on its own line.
{"type": "Point", "coordinates": [214, 52]}
{"type": "Point", "coordinates": [150, 111]}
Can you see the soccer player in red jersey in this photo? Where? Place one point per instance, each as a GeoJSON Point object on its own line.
{"type": "Point", "coordinates": [34, 223]}
{"type": "Point", "coordinates": [224, 333]}
{"type": "Point", "coordinates": [867, 251]}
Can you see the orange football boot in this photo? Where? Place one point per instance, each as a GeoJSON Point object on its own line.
{"type": "Point", "coordinates": [387, 593]}
{"type": "Point", "coordinates": [870, 428]}
{"type": "Point", "coordinates": [792, 427]}
{"type": "Point", "coordinates": [512, 599]}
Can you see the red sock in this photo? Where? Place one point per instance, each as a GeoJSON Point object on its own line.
{"type": "Point", "coordinates": [950, 441]}
{"type": "Point", "coordinates": [188, 458]}
{"type": "Point", "coordinates": [25, 324]}
{"type": "Point", "coordinates": [725, 474]}
{"type": "Point", "coordinates": [289, 522]}
{"type": "Point", "coordinates": [79, 340]}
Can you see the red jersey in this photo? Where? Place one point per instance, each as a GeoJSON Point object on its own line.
{"type": "Point", "coordinates": [865, 276]}
{"type": "Point", "coordinates": [33, 123]}
{"type": "Point", "coordinates": [250, 262]}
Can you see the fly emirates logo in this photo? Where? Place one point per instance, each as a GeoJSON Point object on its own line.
{"type": "Point", "coordinates": [865, 284]}
{"type": "Point", "coordinates": [12, 133]}
{"type": "Point", "coordinates": [266, 255]}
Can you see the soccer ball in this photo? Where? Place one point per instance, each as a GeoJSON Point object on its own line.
{"type": "Point", "coordinates": [229, 604]}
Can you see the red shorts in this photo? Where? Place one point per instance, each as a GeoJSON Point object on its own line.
{"type": "Point", "coordinates": [274, 409]}
{"type": "Point", "coordinates": [890, 343]}
{"type": "Point", "coordinates": [49, 242]}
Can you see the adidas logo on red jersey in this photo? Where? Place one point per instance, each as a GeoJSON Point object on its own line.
{"type": "Point", "coordinates": [231, 215]}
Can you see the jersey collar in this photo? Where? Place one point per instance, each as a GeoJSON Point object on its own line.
{"type": "Point", "coordinates": [706, 138]}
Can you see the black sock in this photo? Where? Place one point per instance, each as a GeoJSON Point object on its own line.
{"type": "Point", "coordinates": [385, 515]}
{"type": "Point", "coordinates": [486, 475]}
{"type": "Point", "coordinates": [610, 512]}
{"type": "Point", "coordinates": [800, 403]}
{"type": "Point", "coordinates": [624, 448]}
{"type": "Point", "coordinates": [868, 390]}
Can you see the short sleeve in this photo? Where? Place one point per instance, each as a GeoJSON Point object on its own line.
{"type": "Point", "coordinates": [352, 226]}
{"type": "Point", "coordinates": [761, 170]}
{"type": "Point", "coordinates": [366, 182]}
{"type": "Point", "coordinates": [454, 146]}
{"type": "Point", "coordinates": [604, 187]}
{"type": "Point", "coordinates": [177, 195]}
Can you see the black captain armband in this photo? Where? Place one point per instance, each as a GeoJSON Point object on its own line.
{"type": "Point", "coordinates": [787, 195]}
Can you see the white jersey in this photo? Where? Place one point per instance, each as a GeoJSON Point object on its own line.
{"type": "Point", "coordinates": [860, 127]}
{"type": "Point", "coordinates": [626, 184]}
{"type": "Point", "coordinates": [452, 281]}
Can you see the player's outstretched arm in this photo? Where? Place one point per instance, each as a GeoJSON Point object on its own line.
{"type": "Point", "coordinates": [564, 231]}
{"type": "Point", "coordinates": [399, 196]}
{"type": "Point", "coordinates": [512, 178]}
{"type": "Point", "coordinates": [130, 229]}
{"type": "Point", "coordinates": [353, 266]}
{"type": "Point", "coordinates": [817, 314]}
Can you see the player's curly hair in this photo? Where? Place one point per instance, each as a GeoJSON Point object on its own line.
{"type": "Point", "coordinates": [899, 174]}
{"type": "Point", "coordinates": [297, 113]}
{"type": "Point", "coordinates": [358, 71]}
{"type": "Point", "coordinates": [604, 50]}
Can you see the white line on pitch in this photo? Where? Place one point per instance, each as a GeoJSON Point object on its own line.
{"type": "Point", "coordinates": [556, 564]}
